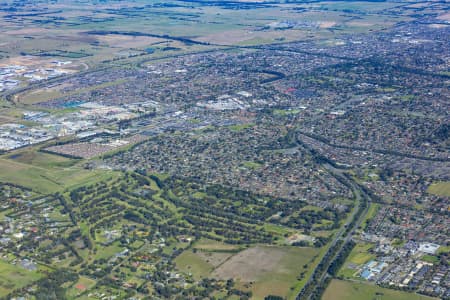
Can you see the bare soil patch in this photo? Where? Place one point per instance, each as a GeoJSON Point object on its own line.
{"type": "Point", "coordinates": [250, 264]}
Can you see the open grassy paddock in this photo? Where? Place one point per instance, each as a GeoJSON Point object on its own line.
{"type": "Point", "coordinates": [44, 177]}
{"type": "Point", "coordinates": [264, 270]}
{"type": "Point", "coordinates": [440, 188]}
{"type": "Point", "coordinates": [345, 290]}
{"type": "Point", "coordinates": [373, 209]}
{"type": "Point", "coordinates": [14, 277]}
{"type": "Point", "coordinates": [81, 286]}
{"type": "Point", "coordinates": [358, 256]}
{"type": "Point", "coordinates": [35, 158]}
{"type": "Point", "coordinates": [193, 263]}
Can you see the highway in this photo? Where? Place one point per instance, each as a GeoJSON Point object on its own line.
{"type": "Point", "coordinates": [344, 234]}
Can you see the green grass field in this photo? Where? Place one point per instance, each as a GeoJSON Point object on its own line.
{"type": "Point", "coordinates": [46, 173]}
{"type": "Point", "coordinates": [430, 258]}
{"type": "Point", "coordinates": [240, 127]}
{"type": "Point", "coordinates": [443, 249]}
{"type": "Point", "coordinates": [358, 256]}
{"type": "Point", "coordinates": [345, 290]}
{"type": "Point", "coordinates": [285, 112]}
{"type": "Point", "coordinates": [277, 229]}
{"type": "Point", "coordinates": [283, 280]}
{"type": "Point", "coordinates": [440, 188]}
{"type": "Point", "coordinates": [373, 209]}
{"type": "Point", "coordinates": [251, 165]}
{"type": "Point", "coordinates": [13, 277]}
{"type": "Point", "coordinates": [48, 179]}
{"type": "Point", "coordinates": [79, 287]}
{"type": "Point", "coordinates": [108, 251]}
{"type": "Point", "coordinates": [211, 245]}
{"type": "Point", "coordinates": [40, 159]}
{"type": "Point", "coordinates": [190, 262]}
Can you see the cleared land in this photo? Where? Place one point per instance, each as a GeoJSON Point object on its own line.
{"type": "Point", "coordinates": [344, 290]}
{"type": "Point", "coordinates": [267, 270]}
{"type": "Point", "coordinates": [40, 159]}
{"type": "Point", "coordinates": [264, 270]}
{"type": "Point", "coordinates": [47, 180]}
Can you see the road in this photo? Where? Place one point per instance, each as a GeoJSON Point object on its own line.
{"type": "Point", "coordinates": [361, 198]}
{"type": "Point", "coordinates": [344, 234]}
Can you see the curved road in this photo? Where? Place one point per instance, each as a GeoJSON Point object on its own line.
{"type": "Point", "coordinates": [344, 234]}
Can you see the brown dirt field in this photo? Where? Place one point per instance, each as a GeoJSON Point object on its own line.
{"type": "Point", "coordinates": [35, 61]}
{"type": "Point", "coordinates": [41, 95]}
{"type": "Point", "coordinates": [250, 264]}
{"type": "Point", "coordinates": [361, 24]}
{"type": "Point", "coordinates": [82, 38]}
{"type": "Point", "coordinates": [24, 61]}
{"type": "Point", "coordinates": [84, 8]}
{"type": "Point", "coordinates": [122, 41]}
{"type": "Point", "coordinates": [266, 270]}
{"type": "Point", "coordinates": [229, 37]}
{"type": "Point", "coordinates": [5, 119]}
{"type": "Point", "coordinates": [243, 36]}
{"type": "Point", "coordinates": [27, 31]}
{"type": "Point", "coordinates": [438, 25]}
{"type": "Point", "coordinates": [445, 17]}
{"type": "Point", "coordinates": [419, 5]}
{"type": "Point", "coordinates": [327, 24]}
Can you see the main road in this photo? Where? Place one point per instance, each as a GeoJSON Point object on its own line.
{"type": "Point", "coordinates": [344, 235]}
